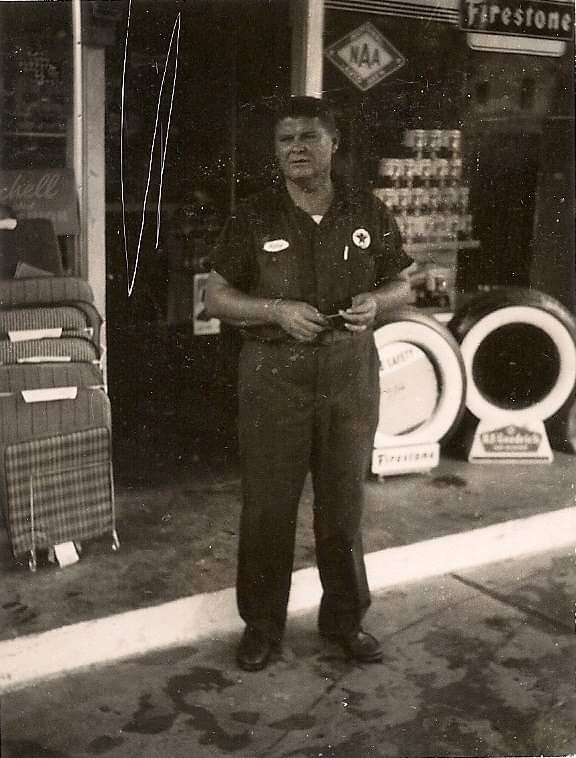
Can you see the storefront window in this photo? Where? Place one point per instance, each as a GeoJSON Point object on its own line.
{"type": "Point", "coordinates": [36, 75]}
{"type": "Point", "coordinates": [36, 182]}
{"type": "Point", "coordinates": [172, 370]}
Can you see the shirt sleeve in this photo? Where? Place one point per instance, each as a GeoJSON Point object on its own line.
{"type": "Point", "coordinates": [232, 256]}
{"type": "Point", "coordinates": [391, 258]}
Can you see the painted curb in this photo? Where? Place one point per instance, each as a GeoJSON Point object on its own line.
{"type": "Point", "coordinates": [36, 657]}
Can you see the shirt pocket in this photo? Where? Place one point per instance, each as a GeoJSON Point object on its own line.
{"type": "Point", "coordinates": [276, 269]}
{"type": "Point", "coordinates": [362, 265]}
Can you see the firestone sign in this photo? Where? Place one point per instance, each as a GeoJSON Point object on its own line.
{"type": "Point", "coordinates": [365, 56]}
{"type": "Point", "coordinates": [522, 18]}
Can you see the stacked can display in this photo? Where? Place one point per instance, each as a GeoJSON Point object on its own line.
{"type": "Point", "coordinates": [425, 191]}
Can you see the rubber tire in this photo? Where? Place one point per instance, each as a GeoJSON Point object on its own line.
{"type": "Point", "coordinates": [428, 334]}
{"type": "Point", "coordinates": [485, 304]}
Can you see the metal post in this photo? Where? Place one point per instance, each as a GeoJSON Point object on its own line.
{"type": "Point", "coordinates": [307, 47]}
{"type": "Point", "coordinates": [88, 138]}
{"type": "Point", "coordinates": [80, 263]}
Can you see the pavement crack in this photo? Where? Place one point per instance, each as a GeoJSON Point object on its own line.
{"type": "Point", "coordinates": [421, 619]}
{"type": "Point", "coordinates": [528, 610]}
{"type": "Point", "coordinates": [314, 704]}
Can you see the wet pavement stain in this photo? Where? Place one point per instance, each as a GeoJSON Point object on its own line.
{"type": "Point", "coordinates": [353, 702]}
{"type": "Point", "coordinates": [353, 697]}
{"type": "Point", "coordinates": [346, 749]}
{"type": "Point", "coordinates": [296, 721]}
{"type": "Point", "coordinates": [103, 744]}
{"type": "Point", "coordinates": [202, 679]}
{"type": "Point", "coordinates": [168, 657]}
{"type": "Point", "coordinates": [448, 480]}
{"type": "Point", "coordinates": [517, 663]}
{"type": "Point", "coordinates": [204, 721]}
{"type": "Point", "coordinates": [498, 623]}
{"type": "Point", "coordinates": [147, 719]}
{"type": "Point", "coordinates": [246, 717]}
{"type": "Point", "coordinates": [22, 614]}
{"type": "Point", "coordinates": [462, 709]}
{"type": "Point", "coordinates": [27, 749]}
{"type": "Point", "coordinates": [107, 709]}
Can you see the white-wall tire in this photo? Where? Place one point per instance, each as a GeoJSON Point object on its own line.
{"type": "Point", "coordinates": [410, 326]}
{"type": "Point", "coordinates": [516, 310]}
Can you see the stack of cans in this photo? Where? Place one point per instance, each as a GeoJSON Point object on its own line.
{"type": "Point", "coordinates": [434, 143]}
{"type": "Point", "coordinates": [426, 192]}
{"type": "Point", "coordinates": [420, 172]}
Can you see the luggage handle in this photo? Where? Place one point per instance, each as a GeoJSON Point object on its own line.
{"type": "Point", "coordinates": [47, 359]}
{"type": "Point", "coordinates": [23, 335]}
{"type": "Point", "coordinates": [48, 394]}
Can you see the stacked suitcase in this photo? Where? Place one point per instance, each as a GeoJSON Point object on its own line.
{"type": "Point", "coordinates": [56, 484]}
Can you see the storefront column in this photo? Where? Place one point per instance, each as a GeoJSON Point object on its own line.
{"type": "Point", "coordinates": [307, 47]}
{"type": "Point", "coordinates": [89, 163]}
{"type": "Point", "coordinates": [93, 212]}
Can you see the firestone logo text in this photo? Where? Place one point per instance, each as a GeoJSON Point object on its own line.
{"type": "Point", "coordinates": [531, 18]}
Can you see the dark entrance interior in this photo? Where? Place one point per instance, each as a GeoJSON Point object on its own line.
{"type": "Point", "coordinates": [503, 194]}
{"type": "Point", "coordinates": [172, 389]}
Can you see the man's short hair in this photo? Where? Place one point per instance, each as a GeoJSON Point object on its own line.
{"type": "Point", "coordinates": [303, 106]}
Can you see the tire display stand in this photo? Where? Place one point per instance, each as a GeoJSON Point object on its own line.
{"type": "Point", "coordinates": [519, 350]}
{"type": "Point", "coordinates": [422, 391]}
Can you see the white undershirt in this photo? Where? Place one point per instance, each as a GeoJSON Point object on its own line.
{"type": "Point", "coordinates": [317, 217]}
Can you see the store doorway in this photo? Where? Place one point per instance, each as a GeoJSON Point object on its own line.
{"type": "Point", "coordinates": [503, 192]}
{"type": "Point", "coordinates": [171, 378]}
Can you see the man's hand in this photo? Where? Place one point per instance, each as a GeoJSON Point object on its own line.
{"type": "Point", "coordinates": [362, 313]}
{"type": "Point", "coordinates": [300, 320]}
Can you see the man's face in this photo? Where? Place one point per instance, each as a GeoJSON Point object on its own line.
{"type": "Point", "coordinates": [304, 148]}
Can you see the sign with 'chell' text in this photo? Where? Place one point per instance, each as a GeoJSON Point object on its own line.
{"type": "Point", "coordinates": [523, 18]}
{"type": "Point", "coordinates": [42, 193]}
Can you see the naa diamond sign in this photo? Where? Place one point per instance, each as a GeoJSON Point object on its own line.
{"type": "Point", "coordinates": [365, 56]}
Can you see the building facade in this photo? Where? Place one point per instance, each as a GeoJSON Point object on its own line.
{"type": "Point", "coordinates": [136, 127]}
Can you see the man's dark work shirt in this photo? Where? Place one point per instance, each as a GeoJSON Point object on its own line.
{"type": "Point", "coordinates": [271, 248]}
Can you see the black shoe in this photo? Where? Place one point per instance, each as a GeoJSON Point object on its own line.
{"type": "Point", "coordinates": [254, 650]}
{"type": "Point", "coordinates": [360, 646]}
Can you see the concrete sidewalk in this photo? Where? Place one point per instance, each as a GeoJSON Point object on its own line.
{"type": "Point", "coordinates": [172, 582]}
{"type": "Point", "coordinates": [179, 536]}
{"type": "Point", "coordinates": [477, 663]}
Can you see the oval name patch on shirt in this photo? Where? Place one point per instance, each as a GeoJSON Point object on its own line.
{"type": "Point", "coordinates": [275, 246]}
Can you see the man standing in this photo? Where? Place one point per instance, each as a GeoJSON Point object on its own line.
{"type": "Point", "coordinates": [304, 269]}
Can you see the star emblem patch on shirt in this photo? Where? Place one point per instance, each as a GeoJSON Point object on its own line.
{"type": "Point", "coordinates": [361, 238]}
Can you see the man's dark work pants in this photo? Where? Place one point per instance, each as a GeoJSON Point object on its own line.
{"type": "Point", "coordinates": [305, 407]}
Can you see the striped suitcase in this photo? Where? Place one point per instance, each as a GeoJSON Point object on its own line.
{"type": "Point", "coordinates": [77, 319]}
{"type": "Point", "coordinates": [44, 290]}
{"type": "Point", "coordinates": [56, 464]}
{"type": "Point", "coordinates": [66, 349]}
{"type": "Point", "coordinates": [31, 377]}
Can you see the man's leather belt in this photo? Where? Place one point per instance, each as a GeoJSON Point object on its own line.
{"type": "Point", "coordinates": [330, 336]}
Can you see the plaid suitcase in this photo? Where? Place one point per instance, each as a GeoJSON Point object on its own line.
{"type": "Point", "coordinates": [56, 469]}
{"type": "Point", "coordinates": [66, 349]}
{"type": "Point", "coordinates": [44, 290]}
{"type": "Point", "coordinates": [77, 319]}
